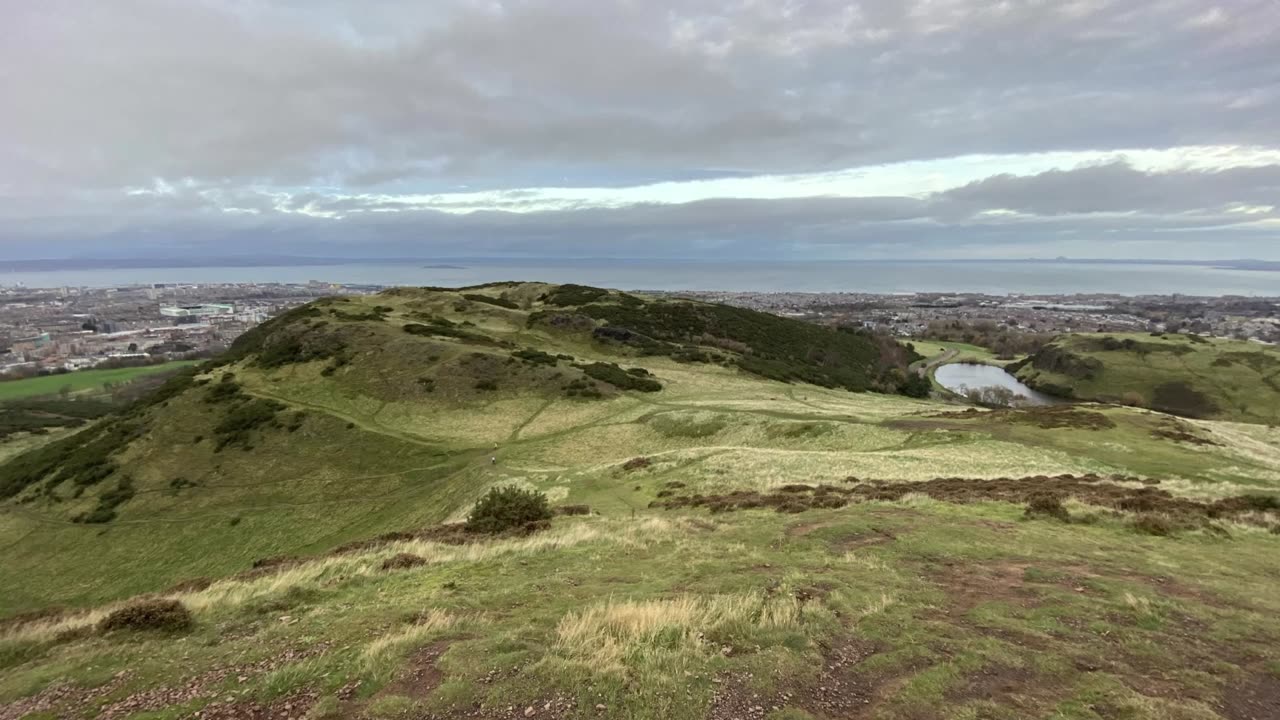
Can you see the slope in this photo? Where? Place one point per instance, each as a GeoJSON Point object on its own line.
{"type": "Point", "coordinates": [754, 548]}
{"type": "Point", "coordinates": [345, 418]}
{"type": "Point", "coordinates": [1182, 374]}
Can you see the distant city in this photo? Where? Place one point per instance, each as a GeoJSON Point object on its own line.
{"type": "Point", "coordinates": [44, 330]}
{"type": "Point", "coordinates": [933, 315]}
{"type": "Point", "coordinates": [51, 330]}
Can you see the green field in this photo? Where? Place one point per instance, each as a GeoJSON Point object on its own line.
{"type": "Point", "coordinates": [81, 381]}
{"type": "Point", "coordinates": [1182, 374]}
{"type": "Point", "coordinates": [890, 593]}
{"type": "Point", "coordinates": [955, 352]}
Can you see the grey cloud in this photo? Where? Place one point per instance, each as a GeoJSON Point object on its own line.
{"type": "Point", "coordinates": [1081, 217]}
{"type": "Point", "coordinates": [1118, 187]}
{"type": "Point", "coordinates": [256, 112]}
{"type": "Point", "coordinates": [111, 94]}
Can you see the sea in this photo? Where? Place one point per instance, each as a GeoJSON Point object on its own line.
{"type": "Point", "coordinates": [886, 277]}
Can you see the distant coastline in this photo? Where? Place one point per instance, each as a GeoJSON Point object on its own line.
{"type": "Point", "coordinates": [1026, 277]}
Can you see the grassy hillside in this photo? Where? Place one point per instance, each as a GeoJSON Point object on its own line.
{"type": "Point", "coordinates": [82, 380]}
{"type": "Point", "coordinates": [1182, 374]}
{"type": "Point", "coordinates": [753, 548]}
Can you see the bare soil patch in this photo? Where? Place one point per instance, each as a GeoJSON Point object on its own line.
{"type": "Point", "coordinates": [1256, 698]}
{"type": "Point", "coordinates": [1000, 683]}
{"type": "Point", "coordinates": [840, 691]}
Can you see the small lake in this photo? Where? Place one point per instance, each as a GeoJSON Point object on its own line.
{"type": "Point", "coordinates": [958, 377]}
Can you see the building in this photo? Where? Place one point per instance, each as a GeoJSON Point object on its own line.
{"type": "Point", "coordinates": [198, 311]}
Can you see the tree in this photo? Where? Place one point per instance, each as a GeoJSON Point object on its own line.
{"type": "Point", "coordinates": [992, 396]}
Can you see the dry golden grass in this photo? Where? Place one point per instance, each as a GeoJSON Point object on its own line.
{"type": "Point", "coordinates": [431, 623]}
{"type": "Point", "coordinates": [50, 629]}
{"type": "Point", "coordinates": [340, 568]}
{"type": "Point", "coordinates": [610, 635]}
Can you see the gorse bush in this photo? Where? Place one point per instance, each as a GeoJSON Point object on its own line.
{"type": "Point", "coordinates": [500, 302]}
{"type": "Point", "coordinates": [619, 378]}
{"type": "Point", "coordinates": [153, 614]}
{"type": "Point", "coordinates": [508, 508]}
{"type": "Point", "coordinates": [1046, 505]}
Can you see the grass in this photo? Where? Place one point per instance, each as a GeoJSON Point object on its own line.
{"type": "Point", "coordinates": [1210, 378]}
{"type": "Point", "coordinates": [656, 616]}
{"type": "Point", "coordinates": [82, 381]}
{"type": "Point", "coordinates": [898, 609]}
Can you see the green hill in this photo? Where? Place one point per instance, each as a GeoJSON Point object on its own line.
{"type": "Point", "coordinates": [1185, 375]}
{"type": "Point", "coordinates": [726, 544]}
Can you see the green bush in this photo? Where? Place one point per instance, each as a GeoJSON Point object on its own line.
{"type": "Point", "coordinates": [236, 426]}
{"type": "Point", "coordinates": [534, 357]}
{"type": "Point", "coordinates": [916, 386]}
{"type": "Point", "coordinates": [777, 348]}
{"type": "Point", "coordinates": [151, 614]}
{"type": "Point", "coordinates": [507, 508]}
{"type": "Point", "coordinates": [500, 302]}
{"type": "Point", "coordinates": [619, 378]}
{"type": "Point", "coordinates": [571, 294]}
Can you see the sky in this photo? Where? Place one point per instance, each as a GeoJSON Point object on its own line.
{"type": "Point", "coordinates": [743, 129]}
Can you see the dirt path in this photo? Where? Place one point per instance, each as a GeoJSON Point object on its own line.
{"type": "Point", "coordinates": [930, 365]}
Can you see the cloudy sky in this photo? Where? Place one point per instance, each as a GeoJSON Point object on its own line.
{"type": "Point", "coordinates": [645, 128]}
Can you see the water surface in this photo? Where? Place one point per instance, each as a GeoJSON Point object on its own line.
{"type": "Point", "coordinates": [959, 377]}
{"type": "Point", "coordinates": [801, 276]}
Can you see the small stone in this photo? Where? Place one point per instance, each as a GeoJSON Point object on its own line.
{"type": "Point", "coordinates": [600, 707]}
{"type": "Point", "coordinates": [529, 711]}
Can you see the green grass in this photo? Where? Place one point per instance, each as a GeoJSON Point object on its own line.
{"type": "Point", "coordinates": [1201, 377]}
{"type": "Point", "coordinates": [81, 381]}
{"type": "Point", "coordinates": [923, 609]}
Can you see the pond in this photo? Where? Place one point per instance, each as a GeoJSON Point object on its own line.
{"type": "Point", "coordinates": [958, 377]}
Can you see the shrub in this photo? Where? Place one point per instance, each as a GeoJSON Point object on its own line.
{"type": "Point", "coordinates": [151, 614]}
{"type": "Point", "coordinates": [573, 510]}
{"type": "Point", "coordinates": [500, 302]}
{"type": "Point", "coordinates": [619, 378]}
{"type": "Point", "coordinates": [506, 508]}
{"type": "Point", "coordinates": [636, 463]}
{"type": "Point", "coordinates": [486, 385]}
{"type": "Point", "coordinates": [237, 425]}
{"type": "Point", "coordinates": [1149, 524]}
{"type": "Point", "coordinates": [108, 502]}
{"type": "Point", "coordinates": [401, 561]}
{"type": "Point", "coordinates": [570, 294]}
{"type": "Point", "coordinates": [534, 357]}
{"type": "Point", "coordinates": [1046, 506]}
{"type": "Point", "coordinates": [1133, 399]}
{"type": "Point", "coordinates": [582, 387]}
{"type": "Point", "coordinates": [916, 386]}
{"type": "Point", "coordinates": [1260, 503]}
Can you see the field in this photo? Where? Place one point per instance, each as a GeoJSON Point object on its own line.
{"type": "Point", "coordinates": [1182, 374]}
{"type": "Point", "coordinates": [81, 381]}
{"type": "Point", "coordinates": [938, 352]}
{"type": "Point", "coordinates": [715, 576]}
